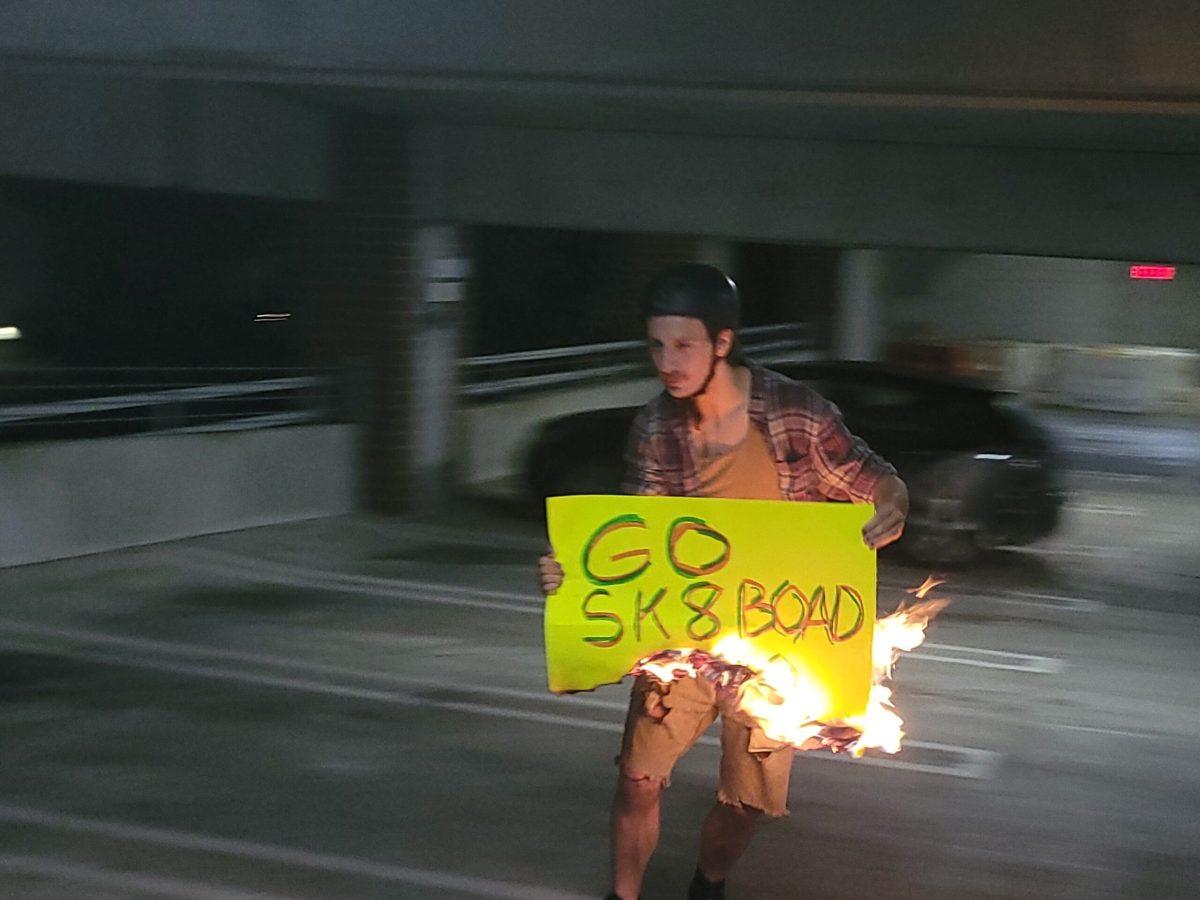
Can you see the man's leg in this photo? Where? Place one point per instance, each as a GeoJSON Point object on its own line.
{"type": "Point", "coordinates": [754, 781]}
{"type": "Point", "coordinates": [724, 838]}
{"type": "Point", "coordinates": [635, 820]}
{"type": "Point", "coordinates": [664, 722]}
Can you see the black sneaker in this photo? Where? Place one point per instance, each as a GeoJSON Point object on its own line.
{"type": "Point", "coordinates": [703, 889]}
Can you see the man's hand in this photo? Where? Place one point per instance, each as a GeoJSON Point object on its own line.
{"type": "Point", "coordinates": [550, 573]}
{"type": "Point", "coordinates": [891, 509]}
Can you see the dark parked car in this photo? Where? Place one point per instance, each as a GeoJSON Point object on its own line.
{"type": "Point", "coordinates": [981, 472]}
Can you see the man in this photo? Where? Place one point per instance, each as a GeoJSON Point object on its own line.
{"type": "Point", "coordinates": [722, 428]}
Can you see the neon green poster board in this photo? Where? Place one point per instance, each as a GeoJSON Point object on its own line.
{"type": "Point", "coordinates": [643, 574]}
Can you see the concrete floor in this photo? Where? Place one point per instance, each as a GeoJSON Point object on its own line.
{"type": "Point", "coordinates": [353, 708]}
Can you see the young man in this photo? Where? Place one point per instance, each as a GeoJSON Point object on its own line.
{"type": "Point", "coordinates": [722, 428]}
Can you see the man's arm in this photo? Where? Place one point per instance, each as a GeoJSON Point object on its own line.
{"type": "Point", "coordinates": [891, 509]}
{"type": "Point", "coordinates": [850, 470]}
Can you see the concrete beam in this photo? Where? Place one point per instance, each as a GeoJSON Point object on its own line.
{"type": "Point", "coordinates": [843, 193]}
{"type": "Point", "coordinates": [188, 135]}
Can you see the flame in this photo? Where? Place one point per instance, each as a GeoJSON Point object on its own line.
{"type": "Point", "coordinates": [789, 705]}
{"type": "Point", "coordinates": [904, 630]}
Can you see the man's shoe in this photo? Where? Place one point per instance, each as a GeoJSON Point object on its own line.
{"type": "Point", "coordinates": [703, 889]}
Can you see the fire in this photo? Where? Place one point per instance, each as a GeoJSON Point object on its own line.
{"type": "Point", "coordinates": [788, 705]}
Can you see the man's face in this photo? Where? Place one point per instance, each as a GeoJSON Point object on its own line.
{"type": "Point", "coordinates": [682, 352]}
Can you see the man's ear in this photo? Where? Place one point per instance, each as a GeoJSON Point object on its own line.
{"type": "Point", "coordinates": [723, 345]}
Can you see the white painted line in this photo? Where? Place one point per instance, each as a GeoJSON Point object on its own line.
{"type": "Point", "coordinates": [1099, 475]}
{"type": "Point", "coordinates": [270, 853]}
{"type": "Point", "coordinates": [534, 546]}
{"type": "Point", "coordinates": [1021, 598]}
{"type": "Point", "coordinates": [1074, 604]}
{"type": "Point", "coordinates": [441, 593]}
{"type": "Point", "coordinates": [457, 595]}
{"type": "Point", "coordinates": [1106, 510]}
{"type": "Point", "coordinates": [176, 649]}
{"type": "Point", "coordinates": [1089, 551]}
{"type": "Point", "coordinates": [425, 592]}
{"type": "Point", "coordinates": [247, 563]}
{"type": "Point", "coordinates": [409, 699]}
{"type": "Point", "coordinates": [128, 883]}
{"type": "Point", "coordinates": [976, 763]}
{"type": "Point", "coordinates": [992, 659]}
{"type": "Point", "coordinates": [1116, 732]}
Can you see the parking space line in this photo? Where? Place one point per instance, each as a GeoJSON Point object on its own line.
{"type": "Point", "coordinates": [177, 648]}
{"type": "Point", "coordinates": [287, 856]}
{"type": "Point", "coordinates": [1089, 551]}
{"type": "Point", "coordinates": [125, 882]}
{"type": "Point", "coordinates": [966, 766]}
{"type": "Point", "coordinates": [1074, 604]}
{"type": "Point", "coordinates": [445, 593]}
{"type": "Point", "coordinates": [1037, 599]}
{"type": "Point", "coordinates": [1095, 729]}
{"type": "Point", "coordinates": [534, 546]}
{"type": "Point", "coordinates": [422, 591]}
{"type": "Point", "coordinates": [1102, 510]}
{"type": "Point", "coordinates": [988, 659]}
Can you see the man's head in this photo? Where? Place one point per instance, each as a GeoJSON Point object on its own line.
{"type": "Point", "coordinates": [692, 315]}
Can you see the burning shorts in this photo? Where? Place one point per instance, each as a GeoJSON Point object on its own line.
{"type": "Point", "coordinates": [666, 720]}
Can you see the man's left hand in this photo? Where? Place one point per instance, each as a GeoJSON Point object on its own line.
{"type": "Point", "coordinates": [891, 509]}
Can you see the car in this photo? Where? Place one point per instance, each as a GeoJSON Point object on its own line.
{"type": "Point", "coordinates": [981, 472]}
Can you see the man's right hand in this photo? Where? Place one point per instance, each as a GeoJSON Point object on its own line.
{"type": "Point", "coordinates": [550, 573]}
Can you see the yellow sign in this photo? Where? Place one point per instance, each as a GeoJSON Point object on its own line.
{"type": "Point", "coordinates": [643, 574]}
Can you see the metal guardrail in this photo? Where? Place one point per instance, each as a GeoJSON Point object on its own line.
{"type": "Point", "coordinates": [57, 403]}
{"type": "Point", "coordinates": [504, 374]}
{"type": "Point", "coordinates": [55, 409]}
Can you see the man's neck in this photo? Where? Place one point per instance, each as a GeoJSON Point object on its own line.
{"type": "Point", "coordinates": [726, 392]}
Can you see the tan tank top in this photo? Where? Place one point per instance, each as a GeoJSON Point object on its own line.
{"type": "Point", "coordinates": [747, 472]}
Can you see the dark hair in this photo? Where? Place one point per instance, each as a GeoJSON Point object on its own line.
{"type": "Point", "coordinates": [698, 291]}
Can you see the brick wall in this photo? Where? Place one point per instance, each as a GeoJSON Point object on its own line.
{"type": "Point", "coordinates": [355, 273]}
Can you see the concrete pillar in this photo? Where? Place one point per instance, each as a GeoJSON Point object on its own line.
{"type": "Point", "coordinates": [858, 327]}
{"type": "Point", "coordinates": [443, 268]}
{"type": "Point", "coordinates": [357, 270]}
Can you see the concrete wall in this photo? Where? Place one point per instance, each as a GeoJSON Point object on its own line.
{"type": "Point", "coordinates": [76, 497]}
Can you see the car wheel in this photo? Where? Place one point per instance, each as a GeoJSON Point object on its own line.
{"type": "Point", "coordinates": [940, 547]}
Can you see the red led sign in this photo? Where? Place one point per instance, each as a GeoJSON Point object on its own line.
{"type": "Point", "coordinates": [1152, 273]}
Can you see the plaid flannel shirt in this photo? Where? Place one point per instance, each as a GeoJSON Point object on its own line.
{"type": "Point", "coordinates": [817, 458]}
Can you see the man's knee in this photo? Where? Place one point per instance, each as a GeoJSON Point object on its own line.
{"type": "Point", "coordinates": [638, 792]}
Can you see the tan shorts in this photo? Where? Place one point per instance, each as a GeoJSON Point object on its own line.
{"type": "Point", "coordinates": [754, 769]}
